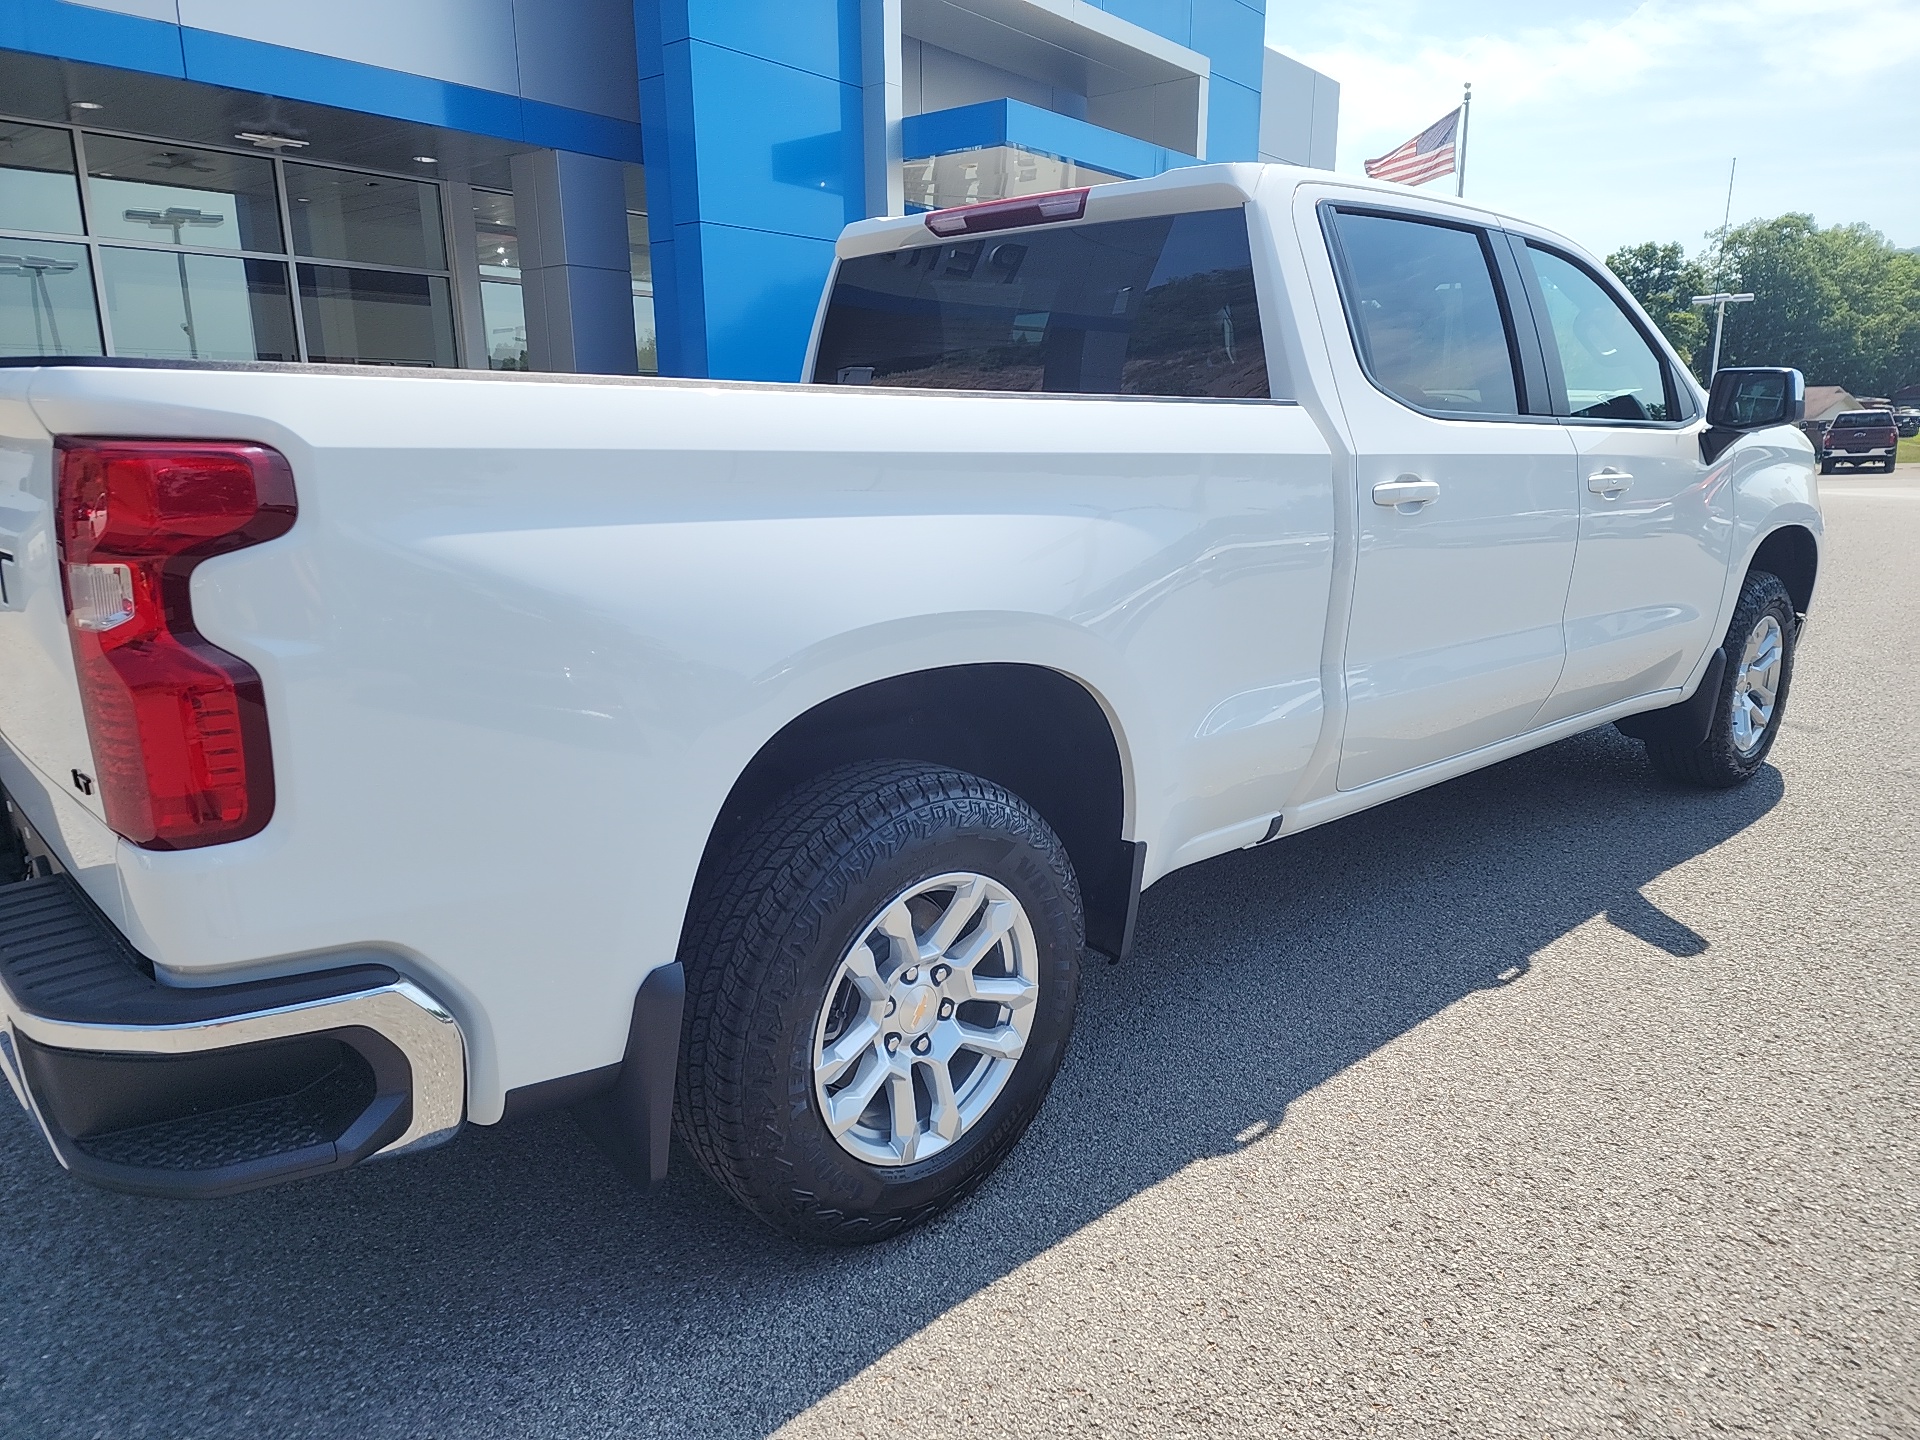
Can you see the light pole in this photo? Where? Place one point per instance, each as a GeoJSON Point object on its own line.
{"type": "Point", "coordinates": [38, 267]}
{"type": "Point", "coordinates": [177, 219]}
{"type": "Point", "coordinates": [1719, 303]}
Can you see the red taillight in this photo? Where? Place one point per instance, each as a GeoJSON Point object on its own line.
{"type": "Point", "coordinates": [1009, 214]}
{"type": "Point", "coordinates": [178, 726]}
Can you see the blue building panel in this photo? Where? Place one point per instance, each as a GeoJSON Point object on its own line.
{"type": "Point", "coordinates": [302, 75]}
{"type": "Point", "coordinates": [1233, 121]}
{"type": "Point", "coordinates": [1014, 122]}
{"type": "Point", "coordinates": [94, 37]}
{"type": "Point", "coordinates": [820, 36]}
{"type": "Point", "coordinates": [1172, 19]}
{"type": "Point", "coordinates": [1233, 37]}
{"type": "Point", "coordinates": [775, 148]}
{"type": "Point", "coordinates": [759, 314]}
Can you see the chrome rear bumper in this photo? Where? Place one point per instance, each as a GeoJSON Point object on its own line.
{"type": "Point", "coordinates": [167, 1090]}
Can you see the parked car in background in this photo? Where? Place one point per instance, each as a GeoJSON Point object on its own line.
{"type": "Point", "coordinates": [1907, 422]}
{"type": "Point", "coordinates": [1860, 437]}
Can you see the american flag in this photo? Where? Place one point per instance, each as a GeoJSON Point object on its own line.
{"type": "Point", "coordinates": [1425, 157]}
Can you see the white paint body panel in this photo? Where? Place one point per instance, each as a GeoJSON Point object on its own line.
{"type": "Point", "coordinates": [527, 631]}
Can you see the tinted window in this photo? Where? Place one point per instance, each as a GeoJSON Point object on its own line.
{"type": "Point", "coordinates": [1612, 373]}
{"type": "Point", "coordinates": [37, 186]}
{"type": "Point", "coordinates": [341, 215]}
{"type": "Point", "coordinates": [376, 317]}
{"type": "Point", "coordinates": [1426, 318]}
{"type": "Point", "coordinates": [150, 190]}
{"type": "Point", "coordinates": [1163, 306]}
{"type": "Point", "coordinates": [46, 300]}
{"type": "Point", "coordinates": [1875, 419]}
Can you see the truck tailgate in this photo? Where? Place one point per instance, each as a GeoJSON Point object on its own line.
{"type": "Point", "coordinates": [40, 717]}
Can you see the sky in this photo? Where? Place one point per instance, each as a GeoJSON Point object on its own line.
{"type": "Point", "coordinates": [1615, 123]}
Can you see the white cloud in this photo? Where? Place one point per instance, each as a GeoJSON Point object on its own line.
{"type": "Point", "coordinates": [1621, 128]}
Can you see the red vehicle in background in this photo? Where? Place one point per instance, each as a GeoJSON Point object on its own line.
{"type": "Point", "coordinates": [1858, 437]}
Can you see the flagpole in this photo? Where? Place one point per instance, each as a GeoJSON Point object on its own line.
{"type": "Point", "coordinates": [1460, 167]}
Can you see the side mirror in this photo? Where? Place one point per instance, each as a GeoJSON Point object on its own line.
{"type": "Point", "coordinates": [1751, 399]}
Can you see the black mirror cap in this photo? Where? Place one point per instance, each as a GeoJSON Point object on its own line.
{"type": "Point", "coordinates": [1756, 397]}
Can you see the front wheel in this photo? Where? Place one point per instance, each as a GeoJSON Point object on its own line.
{"type": "Point", "coordinates": [881, 979]}
{"type": "Point", "coordinates": [1753, 692]}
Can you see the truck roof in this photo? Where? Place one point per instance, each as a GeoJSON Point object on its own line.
{"type": "Point", "coordinates": [1191, 187]}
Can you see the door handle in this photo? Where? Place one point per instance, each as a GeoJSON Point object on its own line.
{"type": "Point", "coordinates": [1609, 482]}
{"type": "Point", "coordinates": [1407, 490]}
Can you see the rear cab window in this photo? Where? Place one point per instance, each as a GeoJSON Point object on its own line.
{"type": "Point", "coordinates": [1158, 306]}
{"type": "Point", "coordinates": [1429, 323]}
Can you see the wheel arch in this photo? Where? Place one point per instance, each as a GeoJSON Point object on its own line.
{"type": "Point", "coordinates": [1041, 733]}
{"type": "Point", "coordinates": [1793, 555]}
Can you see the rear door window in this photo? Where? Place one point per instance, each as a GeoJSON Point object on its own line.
{"type": "Point", "coordinates": [1160, 306]}
{"type": "Point", "coordinates": [1612, 371]}
{"type": "Point", "coordinates": [1427, 319]}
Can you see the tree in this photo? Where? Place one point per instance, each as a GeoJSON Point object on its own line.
{"type": "Point", "coordinates": [1840, 304]}
{"type": "Point", "coordinates": [1664, 281]}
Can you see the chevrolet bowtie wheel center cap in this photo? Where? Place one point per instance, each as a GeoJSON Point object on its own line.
{"type": "Point", "coordinates": [919, 1007]}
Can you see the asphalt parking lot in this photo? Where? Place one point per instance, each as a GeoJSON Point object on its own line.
{"type": "Point", "coordinates": [1553, 1101]}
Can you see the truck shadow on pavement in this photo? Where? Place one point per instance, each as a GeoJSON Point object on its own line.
{"type": "Point", "coordinates": [512, 1285]}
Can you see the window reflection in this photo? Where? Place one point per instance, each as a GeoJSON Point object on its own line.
{"type": "Point", "coordinates": [169, 305]}
{"type": "Point", "coordinates": [38, 186]}
{"type": "Point", "coordinates": [149, 190]}
{"type": "Point", "coordinates": [1611, 372]}
{"type": "Point", "coordinates": [46, 300]}
{"type": "Point", "coordinates": [373, 219]}
{"type": "Point", "coordinates": [1425, 314]}
{"type": "Point", "coordinates": [376, 317]}
{"type": "Point", "coordinates": [640, 261]}
{"type": "Point", "coordinates": [496, 240]}
{"type": "Point", "coordinates": [1160, 306]}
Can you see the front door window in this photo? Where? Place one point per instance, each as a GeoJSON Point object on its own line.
{"type": "Point", "coordinates": [1611, 372]}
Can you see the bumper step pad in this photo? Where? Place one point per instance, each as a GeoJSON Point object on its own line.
{"type": "Point", "coordinates": [167, 1090]}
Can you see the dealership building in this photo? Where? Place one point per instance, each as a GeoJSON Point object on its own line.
{"type": "Point", "coordinates": [603, 186]}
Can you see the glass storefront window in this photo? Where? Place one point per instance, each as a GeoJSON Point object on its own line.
{"type": "Point", "coordinates": [640, 262]}
{"type": "Point", "coordinates": [372, 219]}
{"type": "Point", "coordinates": [150, 190]}
{"type": "Point", "coordinates": [169, 305]}
{"type": "Point", "coordinates": [39, 189]}
{"type": "Point", "coordinates": [496, 241]}
{"type": "Point", "coordinates": [46, 300]}
{"type": "Point", "coordinates": [188, 252]}
{"type": "Point", "coordinates": [998, 172]}
{"type": "Point", "coordinates": [376, 317]}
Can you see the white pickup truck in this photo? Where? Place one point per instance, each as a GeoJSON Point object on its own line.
{"type": "Point", "coordinates": [392, 751]}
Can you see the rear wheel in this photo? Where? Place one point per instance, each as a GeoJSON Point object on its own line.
{"type": "Point", "coordinates": [881, 979]}
{"type": "Point", "coordinates": [1753, 692]}
{"type": "Point", "coordinates": [1826, 467]}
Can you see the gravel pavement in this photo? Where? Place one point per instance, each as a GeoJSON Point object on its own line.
{"type": "Point", "coordinates": [1555, 1101]}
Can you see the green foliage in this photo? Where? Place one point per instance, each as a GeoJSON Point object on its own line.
{"type": "Point", "coordinates": [1664, 281]}
{"type": "Point", "coordinates": [1840, 304]}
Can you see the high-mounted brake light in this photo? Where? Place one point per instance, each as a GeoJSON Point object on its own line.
{"type": "Point", "coordinates": [1009, 214]}
{"type": "Point", "coordinates": [178, 726]}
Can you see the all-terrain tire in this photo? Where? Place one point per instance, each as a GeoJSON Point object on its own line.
{"type": "Point", "coordinates": [1719, 762]}
{"type": "Point", "coordinates": [767, 933]}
